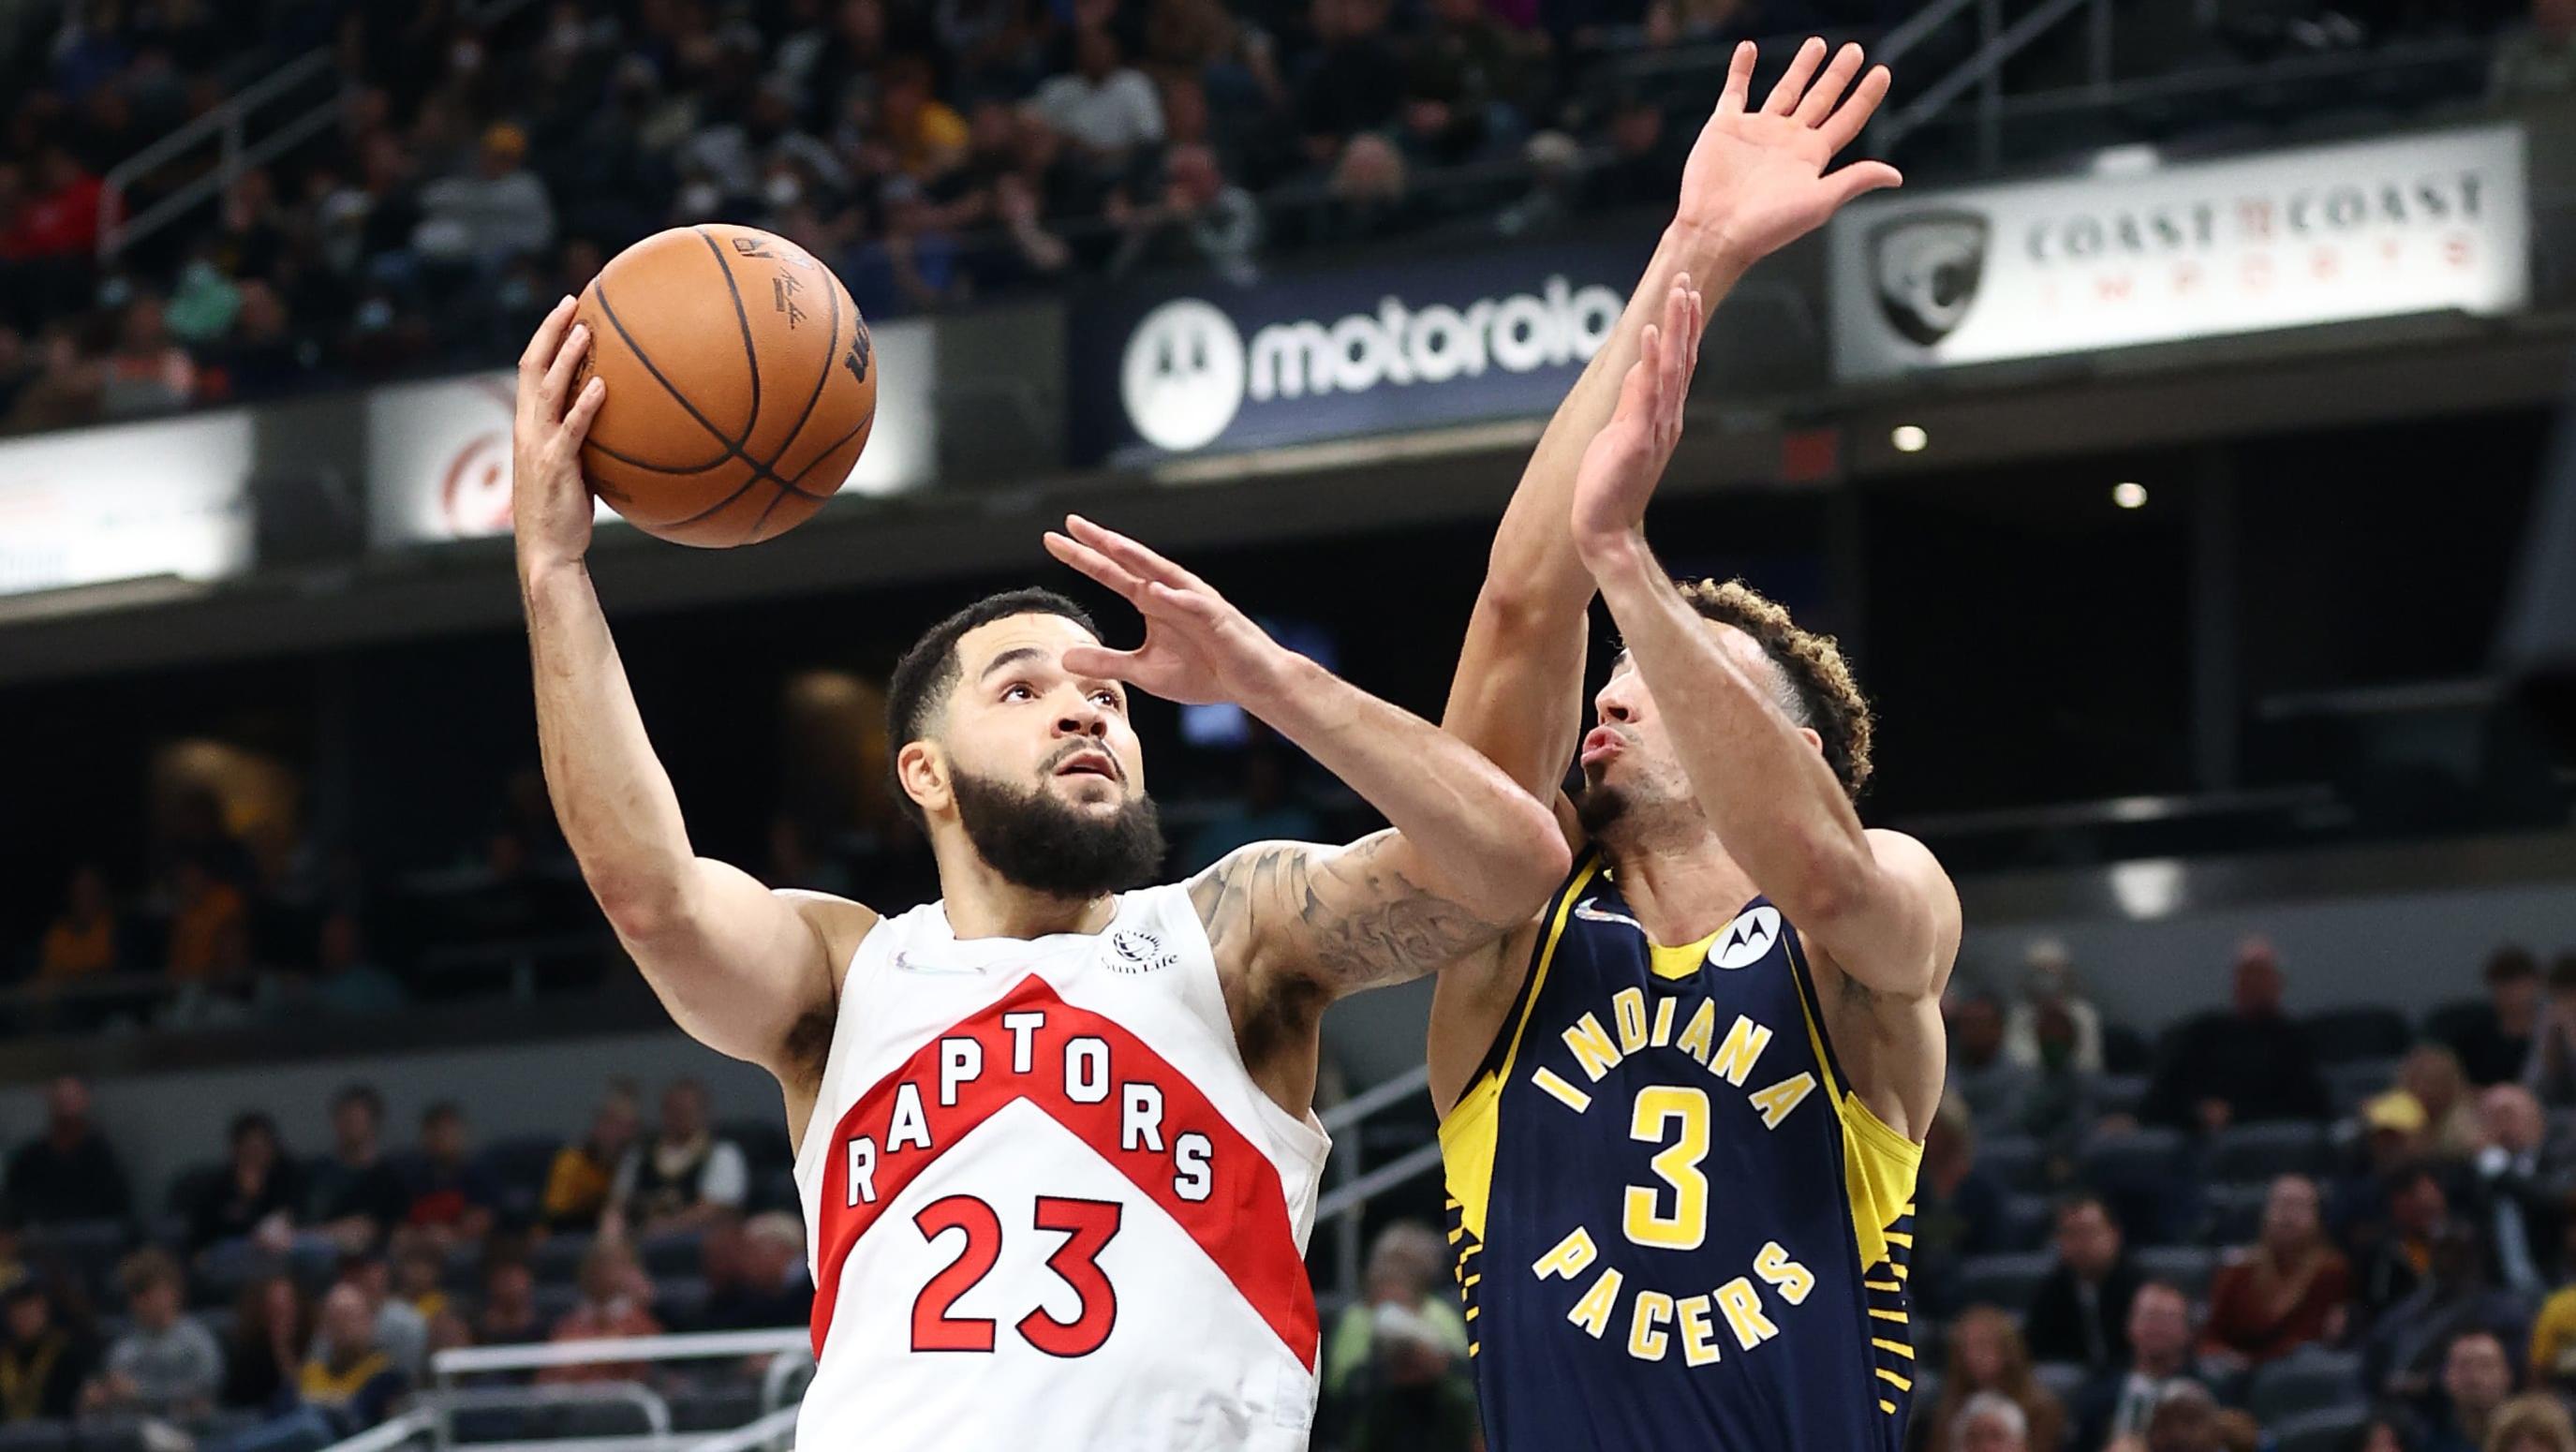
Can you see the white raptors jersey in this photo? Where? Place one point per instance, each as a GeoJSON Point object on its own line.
{"type": "Point", "coordinates": [1048, 1207]}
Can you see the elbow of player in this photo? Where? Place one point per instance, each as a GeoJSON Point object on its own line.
{"type": "Point", "coordinates": [1539, 866]}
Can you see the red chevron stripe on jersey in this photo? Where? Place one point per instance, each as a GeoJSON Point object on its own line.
{"type": "Point", "coordinates": [1238, 1215]}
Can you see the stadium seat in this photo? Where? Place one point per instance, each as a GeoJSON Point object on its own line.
{"type": "Point", "coordinates": [557, 1258]}
{"type": "Point", "coordinates": [107, 1434]}
{"type": "Point", "coordinates": [2231, 1214]}
{"type": "Point", "coordinates": [2008, 1280]}
{"type": "Point", "coordinates": [679, 1300]}
{"type": "Point", "coordinates": [672, 1253]}
{"type": "Point", "coordinates": [714, 1409]}
{"type": "Point", "coordinates": [2028, 1222]}
{"type": "Point", "coordinates": [2328, 1429]}
{"type": "Point", "coordinates": [2347, 1035]}
{"type": "Point", "coordinates": [2119, 1093]}
{"type": "Point", "coordinates": [36, 1436]}
{"type": "Point", "coordinates": [2311, 1380]}
{"type": "Point", "coordinates": [2148, 1155]}
{"type": "Point", "coordinates": [2187, 1266]}
{"type": "Point", "coordinates": [2064, 1379]}
{"type": "Point", "coordinates": [555, 1302]}
{"type": "Point", "coordinates": [2350, 1084]}
{"type": "Point", "coordinates": [523, 1160]}
{"type": "Point", "coordinates": [2013, 1159]}
{"type": "Point", "coordinates": [2252, 1152]}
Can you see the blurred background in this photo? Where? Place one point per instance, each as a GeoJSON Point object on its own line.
{"type": "Point", "coordinates": [2176, 455]}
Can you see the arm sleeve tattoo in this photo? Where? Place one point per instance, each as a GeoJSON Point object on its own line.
{"type": "Point", "coordinates": [1346, 918]}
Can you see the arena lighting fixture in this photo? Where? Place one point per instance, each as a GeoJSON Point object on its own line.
{"type": "Point", "coordinates": [1909, 438]}
{"type": "Point", "coordinates": [2129, 494]}
{"type": "Point", "coordinates": [2133, 160]}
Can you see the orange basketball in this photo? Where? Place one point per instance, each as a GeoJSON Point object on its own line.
{"type": "Point", "coordinates": [741, 384]}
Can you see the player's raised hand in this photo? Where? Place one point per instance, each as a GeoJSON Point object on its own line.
{"type": "Point", "coordinates": [1197, 647]}
{"type": "Point", "coordinates": [1626, 459]}
{"type": "Point", "coordinates": [1756, 178]}
{"type": "Point", "coordinates": [550, 505]}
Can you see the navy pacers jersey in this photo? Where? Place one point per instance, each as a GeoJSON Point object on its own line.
{"type": "Point", "coordinates": [1675, 1225]}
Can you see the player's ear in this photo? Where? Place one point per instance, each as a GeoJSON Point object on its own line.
{"type": "Point", "coordinates": [1813, 740]}
{"type": "Point", "coordinates": [922, 770]}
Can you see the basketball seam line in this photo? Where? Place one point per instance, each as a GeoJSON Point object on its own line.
{"type": "Point", "coordinates": [733, 448]}
{"type": "Point", "coordinates": [750, 350]}
{"type": "Point", "coordinates": [831, 356]}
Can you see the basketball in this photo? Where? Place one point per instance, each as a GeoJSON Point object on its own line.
{"type": "Point", "coordinates": [741, 384]}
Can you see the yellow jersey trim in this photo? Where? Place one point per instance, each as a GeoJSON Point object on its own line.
{"type": "Point", "coordinates": [1879, 1164]}
{"type": "Point", "coordinates": [1468, 1133]}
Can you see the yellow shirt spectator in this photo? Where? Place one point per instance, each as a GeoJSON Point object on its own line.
{"type": "Point", "coordinates": [2553, 1339]}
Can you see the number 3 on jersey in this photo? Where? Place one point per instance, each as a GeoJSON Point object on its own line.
{"type": "Point", "coordinates": [1087, 1225]}
{"type": "Point", "coordinates": [1677, 1164]}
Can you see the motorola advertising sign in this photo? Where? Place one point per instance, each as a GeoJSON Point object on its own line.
{"type": "Point", "coordinates": [1483, 335]}
{"type": "Point", "coordinates": [2434, 222]}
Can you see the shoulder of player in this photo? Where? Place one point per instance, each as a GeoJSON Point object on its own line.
{"type": "Point", "coordinates": [838, 924]}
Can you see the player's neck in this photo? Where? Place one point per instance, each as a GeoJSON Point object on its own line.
{"type": "Point", "coordinates": [981, 903]}
{"type": "Point", "coordinates": [1681, 890]}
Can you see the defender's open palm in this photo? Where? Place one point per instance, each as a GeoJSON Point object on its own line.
{"type": "Point", "coordinates": [1756, 180]}
{"type": "Point", "coordinates": [1197, 649]}
{"type": "Point", "coordinates": [1626, 460]}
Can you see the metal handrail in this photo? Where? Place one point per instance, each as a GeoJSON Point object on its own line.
{"type": "Point", "coordinates": [1985, 68]}
{"type": "Point", "coordinates": [227, 121]}
{"type": "Point", "coordinates": [444, 1403]}
{"type": "Point", "coordinates": [1369, 1101]}
{"type": "Point", "coordinates": [698, 1346]}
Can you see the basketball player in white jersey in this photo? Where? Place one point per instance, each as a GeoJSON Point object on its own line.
{"type": "Point", "coordinates": [1055, 1139]}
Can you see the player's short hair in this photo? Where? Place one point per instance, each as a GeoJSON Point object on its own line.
{"type": "Point", "coordinates": [923, 677]}
{"type": "Point", "coordinates": [1817, 689]}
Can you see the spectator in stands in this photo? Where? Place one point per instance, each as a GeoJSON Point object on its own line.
{"type": "Point", "coordinates": [59, 221]}
{"type": "Point", "coordinates": [2122, 1403]}
{"type": "Point", "coordinates": [2517, 1197]}
{"type": "Point", "coordinates": [616, 1300]}
{"type": "Point", "coordinates": [1981, 1075]}
{"type": "Point", "coordinates": [2390, 1427]}
{"type": "Point", "coordinates": [1103, 105]}
{"type": "Point", "coordinates": [2286, 1290]}
{"type": "Point", "coordinates": [68, 1173]}
{"type": "Point", "coordinates": [209, 929]}
{"type": "Point", "coordinates": [1264, 808]}
{"type": "Point", "coordinates": [757, 1278]}
{"type": "Point", "coordinates": [1201, 219]}
{"type": "Point", "coordinates": [2243, 1065]}
{"type": "Point", "coordinates": [927, 135]}
{"type": "Point", "coordinates": [2534, 67]}
{"type": "Point", "coordinates": [508, 1315]}
{"type": "Point", "coordinates": [2477, 1376]}
{"type": "Point", "coordinates": [257, 1196]}
{"type": "Point", "coordinates": [2404, 1349]}
{"type": "Point", "coordinates": [81, 942]}
{"type": "Point", "coordinates": [271, 1324]}
{"type": "Point", "coordinates": [1351, 82]}
{"type": "Point", "coordinates": [483, 218]}
{"type": "Point", "coordinates": [168, 1365]}
{"type": "Point", "coordinates": [42, 1363]}
{"type": "Point", "coordinates": [2395, 1249]}
{"type": "Point", "coordinates": [2494, 1042]}
{"type": "Point", "coordinates": [1988, 1422]}
{"type": "Point", "coordinates": [350, 1380]}
{"type": "Point", "coordinates": [1989, 1361]}
{"type": "Point", "coordinates": [685, 1177]}
{"type": "Point", "coordinates": [453, 1194]}
{"type": "Point", "coordinates": [2533, 1423]}
{"type": "Point", "coordinates": [2048, 981]}
{"type": "Point", "coordinates": [2432, 1074]}
{"type": "Point", "coordinates": [584, 1173]}
{"type": "Point", "coordinates": [2060, 1108]}
{"type": "Point", "coordinates": [396, 1329]}
{"type": "Point", "coordinates": [1408, 1268]}
{"type": "Point", "coordinates": [147, 372]}
{"type": "Point", "coordinates": [357, 1195]}
{"type": "Point", "coordinates": [1414, 1400]}
{"type": "Point", "coordinates": [2552, 1072]}
{"type": "Point", "coordinates": [351, 984]}
{"type": "Point", "coordinates": [1958, 1210]}
{"type": "Point", "coordinates": [419, 1267]}
{"type": "Point", "coordinates": [2081, 1313]}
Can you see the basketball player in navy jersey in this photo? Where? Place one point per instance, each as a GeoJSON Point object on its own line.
{"type": "Point", "coordinates": [1683, 1108]}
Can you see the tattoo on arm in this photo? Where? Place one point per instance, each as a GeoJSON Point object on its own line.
{"type": "Point", "coordinates": [1347, 919]}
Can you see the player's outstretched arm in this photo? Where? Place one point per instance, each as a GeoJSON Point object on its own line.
{"type": "Point", "coordinates": [1754, 183]}
{"type": "Point", "coordinates": [1469, 857]}
{"type": "Point", "coordinates": [740, 967]}
{"type": "Point", "coordinates": [1876, 901]}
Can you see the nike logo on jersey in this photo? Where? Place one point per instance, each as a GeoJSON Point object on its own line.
{"type": "Point", "coordinates": [1590, 914]}
{"type": "Point", "coordinates": [906, 963]}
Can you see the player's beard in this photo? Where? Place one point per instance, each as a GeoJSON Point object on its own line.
{"type": "Point", "coordinates": [1038, 842]}
{"type": "Point", "coordinates": [1598, 808]}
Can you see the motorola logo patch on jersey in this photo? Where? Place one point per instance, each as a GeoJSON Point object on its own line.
{"type": "Point", "coordinates": [1182, 376]}
{"type": "Point", "coordinates": [1747, 939]}
{"type": "Point", "coordinates": [1137, 950]}
{"type": "Point", "coordinates": [1927, 267]}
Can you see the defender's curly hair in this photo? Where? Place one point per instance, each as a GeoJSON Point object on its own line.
{"type": "Point", "coordinates": [1819, 691]}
